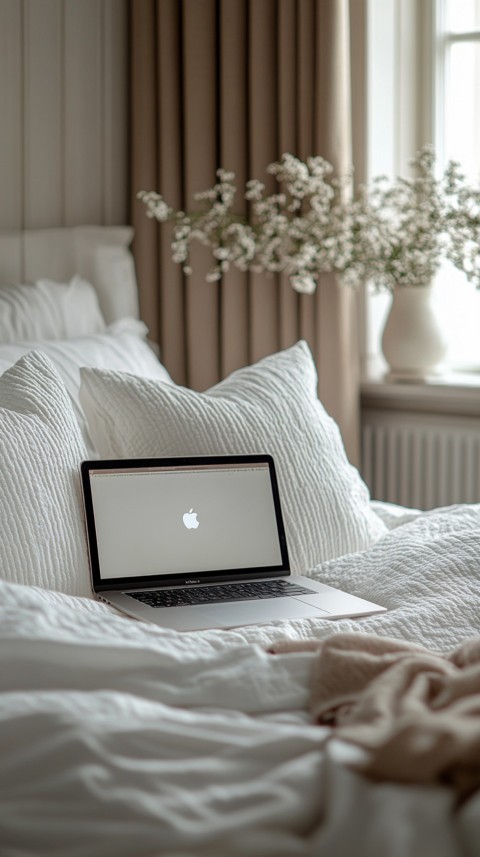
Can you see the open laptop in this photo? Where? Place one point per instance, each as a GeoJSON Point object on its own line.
{"type": "Point", "coordinates": [198, 542]}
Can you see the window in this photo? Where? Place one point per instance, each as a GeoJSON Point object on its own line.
{"type": "Point", "coordinates": [457, 75]}
{"type": "Point", "coordinates": [423, 73]}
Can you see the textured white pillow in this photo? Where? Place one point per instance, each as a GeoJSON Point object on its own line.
{"type": "Point", "coordinates": [121, 346]}
{"type": "Point", "coordinates": [49, 310]}
{"type": "Point", "coordinates": [42, 540]}
{"type": "Point", "coordinates": [269, 407]}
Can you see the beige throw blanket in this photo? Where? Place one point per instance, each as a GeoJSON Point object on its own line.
{"type": "Point", "coordinates": [415, 711]}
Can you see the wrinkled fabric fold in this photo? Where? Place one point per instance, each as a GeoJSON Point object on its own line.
{"type": "Point", "coordinates": [416, 712]}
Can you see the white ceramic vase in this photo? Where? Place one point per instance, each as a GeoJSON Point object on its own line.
{"type": "Point", "coordinates": [413, 342]}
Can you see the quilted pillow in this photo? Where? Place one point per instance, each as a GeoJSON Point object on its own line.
{"type": "Point", "coordinates": [42, 540]}
{"type": "Point", "coordinates": [270, 407]}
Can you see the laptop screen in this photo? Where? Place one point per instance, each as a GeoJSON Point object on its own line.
{"type": "Point", "coordinates": [182, 518]}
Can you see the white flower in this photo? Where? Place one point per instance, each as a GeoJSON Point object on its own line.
{"type": "Point", "coordinates": [303, 283]}
{"type": "Point", "coordinates": [254, 190]}
{"type": "Point", "coordinates": [156, 205]}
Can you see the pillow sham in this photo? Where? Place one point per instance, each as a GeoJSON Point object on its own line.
{"type": "Point", "coordinates": [121, 346]}
{"type": "Point", "coordinates": [49, 310]}
{"type": "Point", "coordinates": [271, 407]}
{"type": "Point", "coordinates": [42, 541]}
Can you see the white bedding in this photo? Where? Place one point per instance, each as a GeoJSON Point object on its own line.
{"type": "Point", "coordinates": [119, 738]}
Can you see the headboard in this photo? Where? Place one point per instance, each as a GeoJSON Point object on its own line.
{"type": "Point", "coordinates": [100, 254]}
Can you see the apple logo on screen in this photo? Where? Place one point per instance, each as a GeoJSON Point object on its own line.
{"type": "Point", "coordinates": [190, 520]}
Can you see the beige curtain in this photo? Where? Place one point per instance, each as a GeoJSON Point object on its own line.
{"type": "Point", "coordinates": [236, 83]}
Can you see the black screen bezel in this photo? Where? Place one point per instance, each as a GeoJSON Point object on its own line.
{"type": "Point", "coordinates": [162, 581]}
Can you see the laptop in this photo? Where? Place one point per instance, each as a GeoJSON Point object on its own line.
{"type": "Point", "coordinates": [198, 542]}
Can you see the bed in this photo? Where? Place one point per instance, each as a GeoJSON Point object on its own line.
{"type": "Point", "coordinates": [120, 738]}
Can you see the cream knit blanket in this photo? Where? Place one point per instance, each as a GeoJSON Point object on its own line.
{"type": "Point", "coordinates": [415, 711]}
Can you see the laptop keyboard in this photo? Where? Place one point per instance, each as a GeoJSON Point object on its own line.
{"type": "Point", "coordinates": [219, 593]}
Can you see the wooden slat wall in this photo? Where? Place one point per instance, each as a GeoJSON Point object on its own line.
{"type": "Point", "coordinates": [63, 109]}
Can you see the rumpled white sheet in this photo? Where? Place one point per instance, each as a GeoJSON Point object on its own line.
{"type": "Point", "coordinates": [118, 738]}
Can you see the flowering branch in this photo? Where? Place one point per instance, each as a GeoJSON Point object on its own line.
{"type": "Point", "coordinates": [393, 234]}
{"type": "Point", "coordinates": [299, 231]}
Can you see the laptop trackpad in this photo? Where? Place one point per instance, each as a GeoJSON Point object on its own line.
{"type": "Point", "coordinates": [339, 603]}
{"type": "Point", "coordinates": [252, 612]}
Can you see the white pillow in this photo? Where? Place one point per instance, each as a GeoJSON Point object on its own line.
{"type": "Point", "coordinates": [121, 346]}
{"type": "Point", "coordinates": [49, 310]}
{"type": "Point", "coordinates": [114, 276]}
{"type": "Point", "coordinates": [42, 540]}
{"type": "Point", "coordinates": [269, 407]}
{"type": "Point", "coordinates": [99, 254]}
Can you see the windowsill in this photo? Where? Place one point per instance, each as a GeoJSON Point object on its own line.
{"type": "Point", "coordinates": [446, 393]}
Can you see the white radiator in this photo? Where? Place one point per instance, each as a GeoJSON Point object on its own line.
{"type": "Point", "coordinates": [421, 460]}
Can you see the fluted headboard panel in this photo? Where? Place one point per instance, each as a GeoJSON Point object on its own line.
{"type": "Point", "coordinates": [63, 108]}
{"type": "Point", "coordinates": [100, 254]}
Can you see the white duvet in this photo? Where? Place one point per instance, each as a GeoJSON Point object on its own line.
{"type": "Point", "coordinates": [118, 738]}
